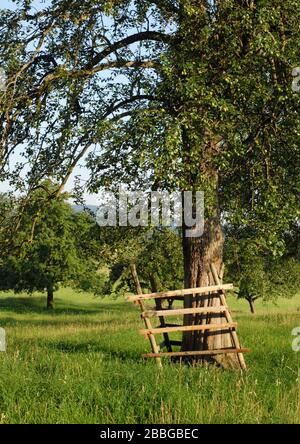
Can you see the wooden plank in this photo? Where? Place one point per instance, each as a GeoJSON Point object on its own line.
{"type": "Point", "coordinates": [198, 353]}
{"type": "Point", "coordinates": [182, 311]}
{"type": "Point", "coordinates": [154, 331]}
{"type": "Point", "coordinates": [153, 343]}
{"type": "Point", "coordinates": [183, 292]}
{"type": "Point", "coordinates": [228, 316]}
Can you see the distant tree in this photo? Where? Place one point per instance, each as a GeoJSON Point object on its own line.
{"type": "Point", "coordinates": [59, 251]}
{"type": "Point", "coordinates": [157, 255]}
{"type": "Point", "coordinates": [258, 275]}
{"type": "Point", "coordinates": [253, 282]}
{"type": "Point", "coordinates": [119, 247]}
{"type": "Point", "coordinates": [160, 262]}
{"type": "Point", "coordinates": [86, 237]}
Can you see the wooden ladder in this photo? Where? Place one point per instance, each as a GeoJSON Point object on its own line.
{"type": "Point", "coordinates": [165, 328]}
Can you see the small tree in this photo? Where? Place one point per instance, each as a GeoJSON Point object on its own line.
{"type": "Point", "coordinates": [160, 262]}
{"type": "Point", "coordinates": [253, 283]}
{"type": "Point", "coordinates": [258, 275]}
{"type": "Point", "coordinates": [157, 256]}
{"type": "Point", "coordinates": [52, 248]}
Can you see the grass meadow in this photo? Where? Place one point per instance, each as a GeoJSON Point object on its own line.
{"type": "Point", "coordinates": [82, 363]}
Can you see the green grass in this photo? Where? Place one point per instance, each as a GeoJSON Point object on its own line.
{"type": "Point", "coordinates": [82, 364]}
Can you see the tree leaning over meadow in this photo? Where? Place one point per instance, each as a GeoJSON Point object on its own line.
{"type": "Point", "coordinates": [196, 93]}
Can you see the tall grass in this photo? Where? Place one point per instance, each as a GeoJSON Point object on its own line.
{"type": "Point", "coordinates": [82, 363]}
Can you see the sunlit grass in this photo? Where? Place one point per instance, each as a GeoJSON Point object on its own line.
{"type": "Point", "coordinates": [82, 363]}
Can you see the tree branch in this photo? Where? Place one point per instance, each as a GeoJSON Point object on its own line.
{"type": "Point", "coordinates": [139, 37]}
{"type": "Point", "coordinates": [115, 107]}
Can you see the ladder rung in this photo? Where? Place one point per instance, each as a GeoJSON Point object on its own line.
{"type": "Point", "coordinates": [183, 292]}
{"type": "Point", "coordinates": [158, 330]}
{"type": "Point", "coordinates": [197, 353]}
{"type": "Point", "coordinates": [182, 311]}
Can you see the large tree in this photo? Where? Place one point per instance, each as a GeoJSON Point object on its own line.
{"type": "Point", "coordinates": [197, 93]}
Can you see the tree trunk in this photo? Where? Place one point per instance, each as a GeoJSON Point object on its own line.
{"type": "Point", "coordinates": [50, 298]}
{"type": "Point", "coordinates": [199, 253]}
{"type": "Point", "coordinates": [251, 304]}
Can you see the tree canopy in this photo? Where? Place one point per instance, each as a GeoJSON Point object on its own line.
{"type": "Point", "coordinates": [183, 90]}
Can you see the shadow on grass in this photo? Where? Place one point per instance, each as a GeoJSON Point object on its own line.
{"type": "Point", "coordinates": [55, 322]}
{"type": "Point", "coordinates": [112, 353]}
{"type": "Point", "coordinates": [37, 305]}
{"type": "Point", "coordinates": [92, 347]}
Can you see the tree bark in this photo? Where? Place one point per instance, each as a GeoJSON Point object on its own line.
{"type": "Point", "coordinates": [50, 298]}
{"type": "Point", "coordinates": [199, 253]}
